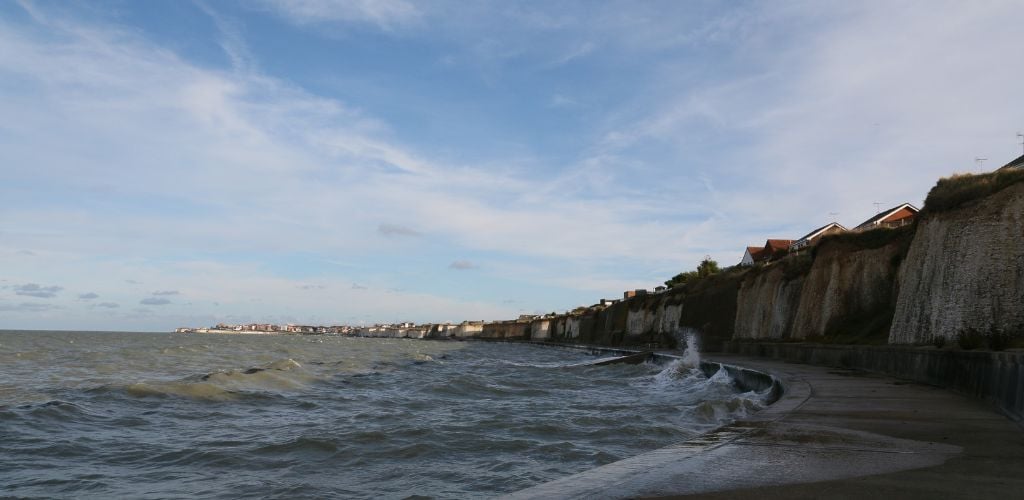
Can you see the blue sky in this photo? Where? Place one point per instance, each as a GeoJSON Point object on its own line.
{"type": "Point", "coordinates": [184, 163]}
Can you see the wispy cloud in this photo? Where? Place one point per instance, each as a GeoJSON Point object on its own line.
{"type": "Point", "coordinates": [386, 14]}
{"type": "Point", "coordinates": [108, 305]}
{"type": "Point", "coordinates": [166, 292]}
{"type": "Point", "coordinates": [88, 296]}
{"type": "Point", "coordinates": [573, 53]}
{"type": "Point", "coordinates": [154, 301]}
{"type": "Point", "coordinates": [36, 290]}
{"type": "Point", "coordinates": [396, 230]}
{"type": "Point", "coordinates": [29, 307]}
{"type": "Point", "coordinates": [462, 265]}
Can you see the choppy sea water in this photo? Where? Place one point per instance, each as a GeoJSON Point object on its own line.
{"type": "Point", "coordinates": [143, 415]}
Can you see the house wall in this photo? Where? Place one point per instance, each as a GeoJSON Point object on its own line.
{"type": "Point", "coordinates": [903, 213]}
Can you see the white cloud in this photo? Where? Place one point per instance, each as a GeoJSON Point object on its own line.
{"type": "Point", "coordinates": [386, 14]}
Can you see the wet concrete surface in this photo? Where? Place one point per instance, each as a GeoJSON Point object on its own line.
{"type": "Point", "coordinates": [833, 434]}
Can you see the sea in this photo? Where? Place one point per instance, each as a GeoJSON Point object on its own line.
{"type": "Point", "coordinates": [162, 415]}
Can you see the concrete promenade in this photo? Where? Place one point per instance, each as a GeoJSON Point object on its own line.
{"type": "Point", "coordinates": [834, 434]}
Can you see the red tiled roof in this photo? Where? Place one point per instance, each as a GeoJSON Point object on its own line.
{"type": "Point", "coordinates": [778, 245]}
{"type": "Point", "coordinates": [881, 216]}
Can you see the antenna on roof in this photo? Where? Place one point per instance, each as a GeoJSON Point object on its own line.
{"type": "Point", "coordinates": [878, 207]}
{"type": "Point", "coordinates": [1021, 139]}
{"type": "Point", "coordinates": [832, 215]}
{"type": "Point", "coordinates": [979, 161]}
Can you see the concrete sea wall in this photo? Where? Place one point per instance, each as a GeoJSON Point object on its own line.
{"type": "Point", "coordinates": [996, 377]}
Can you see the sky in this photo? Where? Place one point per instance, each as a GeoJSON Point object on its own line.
{"type": "Point", "coordinates": [176, 163]}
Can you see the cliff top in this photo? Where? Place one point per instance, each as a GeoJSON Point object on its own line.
{"type": "Point", "coordinates": [955, 191]}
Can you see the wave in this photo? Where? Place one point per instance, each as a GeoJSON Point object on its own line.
{"type": "Point", "coordinates": [279, 376]}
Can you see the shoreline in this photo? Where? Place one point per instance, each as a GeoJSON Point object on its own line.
{"type": "Point", "coordinates": [834, 433]}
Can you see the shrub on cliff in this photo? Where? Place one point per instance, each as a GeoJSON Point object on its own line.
{"type": "Point", "coordinates": [998, 340]}
{"type": "Point", "coordinates": [706, 268]}
{"type": "Point", "coordinates": [952, 192]}
{"type": "Point", "coordinates": [866, 240]}
{"type": "Point", "coordinates": [969, 339]}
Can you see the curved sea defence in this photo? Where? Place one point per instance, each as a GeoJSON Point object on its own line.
{"type": "Point", "coordinates": [835, 433]}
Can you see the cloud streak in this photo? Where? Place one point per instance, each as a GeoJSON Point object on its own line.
{"type": "Point", "coordinates": [462, 265]}
{"type": "Point", "coordinates": [397, 230]}
{"type": "Point", "coordinates": [36, 290]}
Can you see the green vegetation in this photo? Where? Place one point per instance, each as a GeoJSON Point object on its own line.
{"type": "Point", "coordinates": [706, 268]}
{"type": "Point", "coordinates": [867, 240]}
{"type": "Point", "coordinates": [955, 191]}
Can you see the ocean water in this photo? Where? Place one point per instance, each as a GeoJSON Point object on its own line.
{"type": "Point", "coordinates": [145, 415]}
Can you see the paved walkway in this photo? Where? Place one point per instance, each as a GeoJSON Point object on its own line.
{"type": "Point", "coordinates": [834, 434]}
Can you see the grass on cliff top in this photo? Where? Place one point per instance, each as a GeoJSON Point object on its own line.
{"type": "Point", "coordinates": [957, 190]}
{"type": "Point", "coordinates": [867, 240]}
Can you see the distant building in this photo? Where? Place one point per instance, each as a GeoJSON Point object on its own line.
{"type": "Point", "coordinates": [628, 294]}
{"type": "Point", "coordinates": [810, 238]}
{"type": "Point", "coordinates": [772, 249]}
{"type": "Point", "coordinates": [609, 302]}
{"type": "Point", "coordinates": [1018, 163]}
{"type": "Point", "coordinates": [897, 216]}
{"type": "Point", "coordinates": [752, 256]}
{"type": "Point", "coordinates": [660, 288]}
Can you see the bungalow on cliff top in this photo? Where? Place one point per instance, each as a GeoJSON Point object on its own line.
{"type": "Point", "coordinates": [1018, 163]}
{"type": "Point", "coordinates": [772, 249]}
{"type": "Point", "coordinates": [813, 236]}
{"type": "Point", "coordinates": [751, 256]}
{"type": "Point", "coordinates": [897, 216]}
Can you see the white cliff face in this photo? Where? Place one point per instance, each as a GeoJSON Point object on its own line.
{"type": "Point", "coordinates": [668, 318]}
{"type": "Point", "coordinates": [639, 322]}
{"type": "Point", "coordinates": [766, 305]}
{"type": "Point", "coordinates": [540, 330]}
{"type": "Point", "coordinates": [844, 284]}
{"type": "Point", "coordinates": [572, 328]}
{"type": "Point", "coordinates": [663, 318]}
{"type": "Point", "coordinates": [965, 269]}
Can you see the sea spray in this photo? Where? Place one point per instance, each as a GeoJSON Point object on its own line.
{"type": "Point", "coordinates": [691, 356]}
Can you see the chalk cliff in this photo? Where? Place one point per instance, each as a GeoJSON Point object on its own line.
{"type": "Point", "coordinates": [766, 304]}
{"type": "Point", "coordinates": [848, 288]}
{"type": "Point", "coordinates": [960, 266]}
{"type": "Point", "coordinates": [965, 268]}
